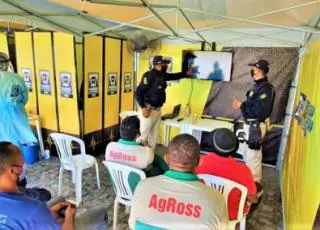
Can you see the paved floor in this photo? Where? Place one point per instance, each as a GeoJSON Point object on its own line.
{"type": "Point", "coordinates": [46, 173]}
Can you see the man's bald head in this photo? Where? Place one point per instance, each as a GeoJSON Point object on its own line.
{"type": "Point", "coordinates": [184, 151]}
{"type": "Point", "coordinates": [8, 155]}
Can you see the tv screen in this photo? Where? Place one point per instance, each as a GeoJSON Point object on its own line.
{"type": "Point", "coordinates": [208, 65]}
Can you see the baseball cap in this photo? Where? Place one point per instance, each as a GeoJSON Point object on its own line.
{"type": "Point", "coordinates": [262, 65]}
{"type": "Point", "coordinates": [224, 141]}
{"type": "Point", "coordinates": [160, 60]}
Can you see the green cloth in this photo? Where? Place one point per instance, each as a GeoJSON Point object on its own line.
{"type": "Point", "coordinates": [122, 141]}
{"type": "Point", "coordinates": [185, 176]}
{"type": "Point", "coordinates": [142, 226]}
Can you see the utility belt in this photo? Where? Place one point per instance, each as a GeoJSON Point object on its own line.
{"type": "Point", "coordinates": [253, 122]}
{"type": "Point", "coordinates": [254, 135]}
{"type": "Point", "coordinates": [153, 107]}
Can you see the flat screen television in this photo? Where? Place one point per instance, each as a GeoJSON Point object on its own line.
{"type": "Point", "coordinates": [208, 65]}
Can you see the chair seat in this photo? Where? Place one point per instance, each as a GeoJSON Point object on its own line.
{"type": "Point", "coordinates": [89, 161]}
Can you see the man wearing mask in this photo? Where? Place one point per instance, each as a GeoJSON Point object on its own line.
{"type": "Point", "coordinates": [255, 110]}
{"type": "Point", "coordinates": [151, 95]}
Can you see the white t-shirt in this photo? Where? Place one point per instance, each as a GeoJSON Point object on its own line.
{"type": "Point", "coordinates": [129, 153]}
{"type": "Point", "coordinates": [176, 201]}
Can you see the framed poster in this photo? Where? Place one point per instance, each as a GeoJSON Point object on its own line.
{"type": "Point", "coordinates": [112, 86]}
{"type": "Point", "coordinates": [45, 85]}
{"type": "Point", "coordinates": [93, 85]}
{"type": "Point", "coordinates": [26, 74]}
{"type": "Point", "coordinates": [127, 82]}
{"type": "Point", "coordinates": [65, 85]}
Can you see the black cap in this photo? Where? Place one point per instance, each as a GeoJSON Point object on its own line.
{"type": "Point", "coordinates": [224, 142]}
{"type": "Point", "coordinates": [262, 65]}
{"type": "Point", "coordinates": [160, 60]}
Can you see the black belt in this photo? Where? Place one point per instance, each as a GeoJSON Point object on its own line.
{"type": "Point", "coordinates": [253, 122]}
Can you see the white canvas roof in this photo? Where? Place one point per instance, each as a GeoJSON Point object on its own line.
{"type": "Point", "coordinates": [226, 22]}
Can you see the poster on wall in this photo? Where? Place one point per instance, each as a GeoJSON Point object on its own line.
{"type": "Point", "coordinates": [112, 86]}
{"type": "Point", "coordinates": [26, 74]}
{"type": "Point", "coordinates": [65, 85]}
{"type": "Point", "coordinates": [45, 85]}
{"type": "Point", "coordinates": [304, 114]}
{"type": "Point", "coordinates": [93, 85]}
{"type": "Point", "coordinates": [127, 82]}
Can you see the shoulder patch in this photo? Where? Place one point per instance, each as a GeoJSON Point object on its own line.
{"type": "Point", "coordinates": [251, 93]}
{"type": "Point", "coordinates": [263, 96]}
{"type": "Point", "coordinates": [145, 80]}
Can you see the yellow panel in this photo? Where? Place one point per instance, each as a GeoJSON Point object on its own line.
{"type": "Point", "coordinates": [65, 63]}
{"type": "Point", "coordinates": [112, 64]}
{"type": "Point", "coordinates": [24, 55]}
{"type": "Point", "coordinates": [79, 67]}
{"type": "Point", "coordinates": [300, 172]}
{"type": "Point", "coordinates": [4, 43]}
{"type": "Point", "coordinates": [178, 93]}
{"type": "Point", "coordinates": [127, 71]}
{"type": "Point", "coordinates": [44, 62]}
{"type": "Point", "coordinates": [93, 47]}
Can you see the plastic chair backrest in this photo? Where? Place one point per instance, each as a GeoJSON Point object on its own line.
{"type": "Point", "coordinates": [225, 186]}
{"type": "Point", "coordinates": [121, 176]}
{"type": "Point", "coordinates": [125, 114]}
{"type": "Point", "coordinates": [64, 146]}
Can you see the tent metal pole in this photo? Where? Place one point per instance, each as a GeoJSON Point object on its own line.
{"type": "Point", "coordinates": [259, 15]}
{"type": "Point", "coordinates": [49, 22]}
{"type": "Point", "coordinates": [303, 29]}
{"type": "Point", "coordinates": [160, 18]}
{"type": "Point", "coordinates": [131, 4]}
{"type": "Point", "coordinates": [191, 25]}
{"type": "Point", "coordinates": [130, 23]}
{"type": "Point", "coordinates": [289, 111]}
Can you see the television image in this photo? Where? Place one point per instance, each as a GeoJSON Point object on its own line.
{"type": "Point", "coordinates": [208, 65]}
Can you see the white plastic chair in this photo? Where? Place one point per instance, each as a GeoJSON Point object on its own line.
{"type": "Point", "coordinates": [225, 186]}
{"type": "Point", "coordinates": [74, 163]}
{"type": "Point", "coordinates": [125, 114]}
{"type": "Point", "coordinates": [120, 177]}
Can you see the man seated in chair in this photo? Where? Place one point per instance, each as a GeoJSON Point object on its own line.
{"type": "Point", "coordinates": [223, 143]}
{"type": "Point", "coordinates": [129, 152]}
{"type": "Point", "coordinates": [21, 212]}
{"type": "Point", "coordinates": [177, 199]}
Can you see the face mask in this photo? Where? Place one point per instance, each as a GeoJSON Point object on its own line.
{"type": "Point", "coordinates": [164, 68]}
{"type": "Point", "coordinates": [252, 72]}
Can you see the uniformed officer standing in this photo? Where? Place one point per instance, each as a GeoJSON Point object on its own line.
{"type": "Point", "coordinates": [255, 110]}
{"type": "Point", "coordinates": [151, 95]}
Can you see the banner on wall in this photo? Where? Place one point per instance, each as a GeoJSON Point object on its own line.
{"type": "Point", "coordinates": [26, 74]}
{"type": "Point", "coordinates": [127, 82]}
{"type": "Point", "coordinates": [65, 85]}
{"type": "Point", "coordinates": [93, 85]}
{"type": "Point", "coordinates": [45, 85]}
{"type": "Point", "coordinates": [113, 79]}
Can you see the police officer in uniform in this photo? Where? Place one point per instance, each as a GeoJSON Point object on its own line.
{"type": "Point", "coordinates": [151, 95]}
{"type": "Point", "coordinates": [255, 110]}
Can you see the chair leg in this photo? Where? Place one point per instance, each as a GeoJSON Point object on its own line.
{"type": "Point", "coordinates": [115, 214]}
{"type": "Point", "coordinates": [97, 174]}
{"type": "Point", "coordinates": [78, 186]}
{"type": "Point", "coordinates": [128, 208]}
{"type": "Point", "coordinates": [60, 180]}
{"type": "Point", "coordinates": [243, 223]}
{"type": "Point", "coordinates": [73, 173]}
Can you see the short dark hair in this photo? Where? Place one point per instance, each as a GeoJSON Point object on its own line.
{"type": "Point", "coordinates": [130, 128]}
{"type": "Point", "coordinates": [7, 155]}
{"type": "Point", "coordinates": [184, 149]}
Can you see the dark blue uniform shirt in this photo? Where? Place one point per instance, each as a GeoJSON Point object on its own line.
{"type": "Point", "coordinates": [152, 88]}
{"type": "Point", "coordinates": [259, 101]}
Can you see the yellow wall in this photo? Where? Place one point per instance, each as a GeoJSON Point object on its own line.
{"type": "Point", "coordinates": [112, 65]}
{"type": "Point", "coordinates": [65, 62]}
{"type": "Point", "coordinates": [4, 43]}
{"type": "Point", "coordinates": [127, 67]}
{"type": "Point", "coordinates": [178, 93]}
{"type": "Point", "coordinates": [24, 55]}
{"type": "Point", "coordinates": [300, 173]}
{"type": "Point", "coordinates": [44, 61]}
{"type": "Point", "coordinates": [93, 51]}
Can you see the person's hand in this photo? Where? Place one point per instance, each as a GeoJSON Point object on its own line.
{"type": "Point", "coordinates": [236, 104]}
{"type": "Point", "coordinates": [146, 112]}
{"type": "Point", "coordinates": [189, 72]}
{"type": "Point", "coordinates": [56, 208]}
{"type": "Point", "coordinates": [70, 211]}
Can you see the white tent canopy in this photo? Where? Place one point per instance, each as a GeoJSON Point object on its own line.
{"type": "Point", "coordinates": [227, 22]}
